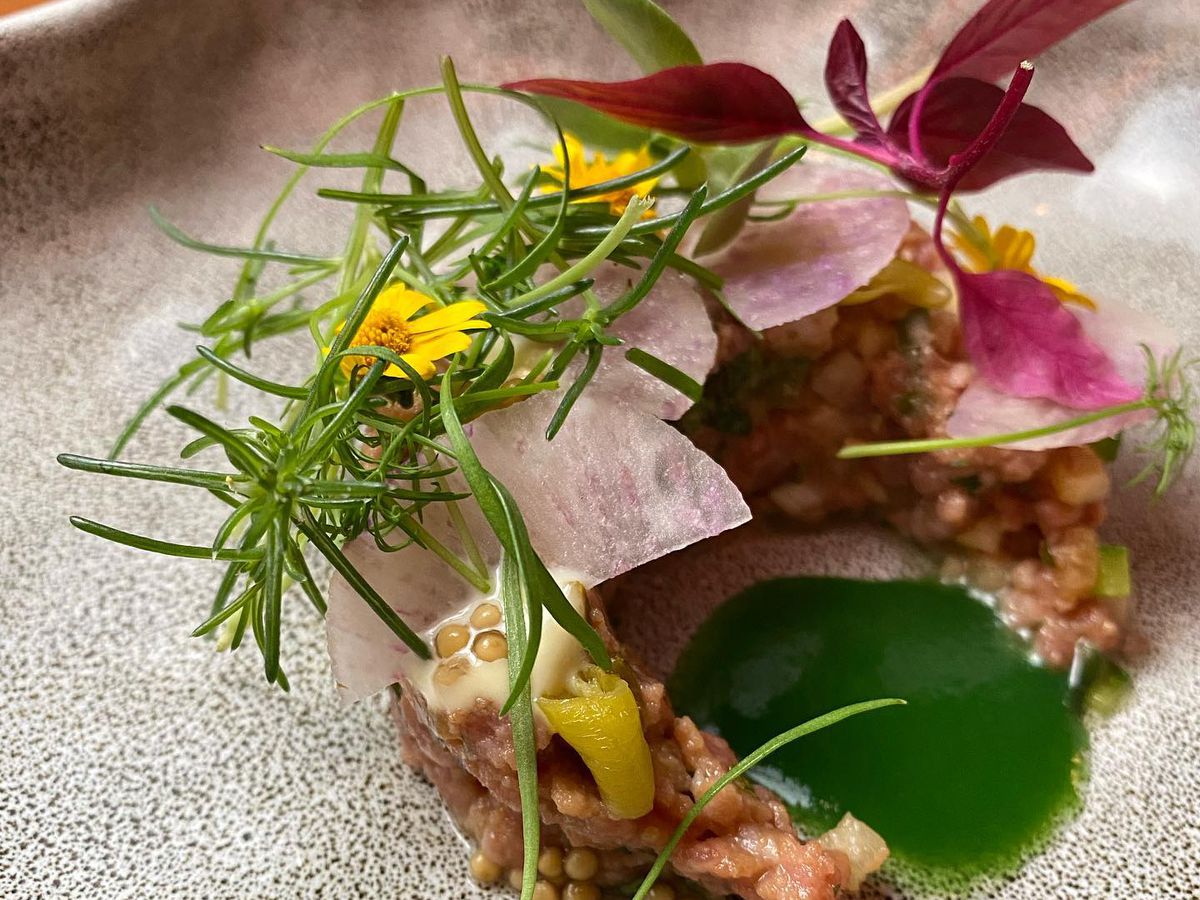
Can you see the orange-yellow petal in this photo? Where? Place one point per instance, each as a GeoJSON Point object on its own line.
{"type": "Point", "coordinates": [599, 168]}
{"type": "Point", "coordinates": [453, 316]}
{"type": "Point", "coordinates": [1067, 292]}
{"type": "Point", "coordinates": [1013, 248]}
{"type": "Point", "coordinates": [440, 345]}
{"type": "Point", "coordinates": [974, 257]}
{"type": "Point", "coordinates": [399, 300]}
{"type": "Point", "coordinates": [424, 366]}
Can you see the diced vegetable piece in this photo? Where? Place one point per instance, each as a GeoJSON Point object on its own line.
{"type": "Point", "coordinates": [1112, 574]}
{"type": "Point", "coordinates": [865, 849]}
{"type": "Point", "coordinates": [1077, 476]}
{"type": "Point", "coordinates": [601, 722]}
{"type": "Point", "coordinates": [1097, 684]}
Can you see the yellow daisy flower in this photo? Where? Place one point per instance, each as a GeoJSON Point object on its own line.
{"type": "Point", "coordinates": [908, 281]}
{"type": "Point", "coordinates": [420, 342]}
{"type": "Point", "coordinates": [1011, 248]}
{"type": "Point", "coordinates": [585, 173]}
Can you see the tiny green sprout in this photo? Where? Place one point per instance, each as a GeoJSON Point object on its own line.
{"type": "Point", "coordinates": [1170, 394]}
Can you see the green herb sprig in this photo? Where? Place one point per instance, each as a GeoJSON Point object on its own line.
{"type": "Point", "coordinates": [1170, 395]}
{"type": "Point", "coordinates": [333, 462]}
{"type": "Point", "coordinates": [742, 768]}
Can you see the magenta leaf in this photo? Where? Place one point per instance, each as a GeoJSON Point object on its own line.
{"type": "Point", "coordinates": [1122, 332]}
{"type": "Point", "coordinates": [1019, 336]}
{"type": "Point", "coordinates": [718, 103]}
{"type": "Point", "coordinates": [958, 109]}
{"type": "Point", "coordinates": [1024, 342]}
{"type": "Point", "coordinates": [1004, 32]}
{"type": "Point", "coordinates": [846, 82]}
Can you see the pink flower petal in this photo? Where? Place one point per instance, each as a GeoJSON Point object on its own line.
{"type": "Point", "coordinates": [1024, 342]}
{"type": "Point", "coordinates": [778, 272]}
{"type": "Point", "coordinates": [982, 410]}
{"type": "Point", "coordinates": [616, 488]}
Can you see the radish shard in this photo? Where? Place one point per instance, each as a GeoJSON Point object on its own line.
{"type": "Point", "coordinates": [1117, 329]}
{"type": "Point", "coordinates": [616, 488]}
{"type": "Point", "coordinates": [778, 272]}
{"type": "Point", "coordinates": [671, 323]}
{"type": "Point", "coordinates": [365, 653]}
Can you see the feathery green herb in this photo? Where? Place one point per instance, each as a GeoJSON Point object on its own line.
{"type": "Point", "coordinates": [366, 448]}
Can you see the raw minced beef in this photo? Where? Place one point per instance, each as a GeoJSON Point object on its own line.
{"type": "Point", "coordinates": [743, 842]}
{"type": "Point", "coordinates": [1019, 523]}
{"type": "Point", "coordinates": [774, 414]}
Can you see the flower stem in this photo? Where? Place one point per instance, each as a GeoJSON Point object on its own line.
{"type": "Point", "coordinates": [930, 445]}
{"type": "Point", "coordinates": [448, 556]}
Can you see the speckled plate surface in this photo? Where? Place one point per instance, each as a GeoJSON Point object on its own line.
{"type": "Point", "coordinates": [134, 762]}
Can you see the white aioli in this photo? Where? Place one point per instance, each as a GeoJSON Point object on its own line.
{"type": "Point", "coordinates": [559, 656]}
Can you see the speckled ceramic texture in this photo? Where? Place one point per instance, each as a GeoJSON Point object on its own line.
{"type": "Point", "coordinates": [135, 762]}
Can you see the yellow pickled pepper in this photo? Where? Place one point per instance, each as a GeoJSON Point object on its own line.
{"type": "Point", "coordinates": [602, 724]}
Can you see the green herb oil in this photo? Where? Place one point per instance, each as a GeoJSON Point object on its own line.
{"type": "Point", "coordinates": [966, 779]}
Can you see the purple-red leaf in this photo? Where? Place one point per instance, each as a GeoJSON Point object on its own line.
{"type": "Point", "coordinates": [957, 109]}
{"type": "Point", "coordinates": [1004, 32]}
{"type": "Point", "coordinates": [717, 103]}
{"type": "Point", "coordinates": [1122, 332]}
{"type": "Point", "coordinates": [846, 82]}
{"type": "Point", "coordinates": [1020, 337]}
{"type": "Point", "coordinates": [1026, 344]}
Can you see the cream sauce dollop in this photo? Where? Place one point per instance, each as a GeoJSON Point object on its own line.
{"type": "Point", "coordinates": [559, 657]}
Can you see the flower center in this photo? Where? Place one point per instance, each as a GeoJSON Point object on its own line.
{"type": "Point", "coordinates": [384, 331]}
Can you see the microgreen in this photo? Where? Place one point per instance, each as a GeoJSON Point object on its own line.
{"type": "Point", "coordinates": [955, 132]}
{"type": "Point", "coordinates": [741, 768]}
{"type": "Point", "coordinates": [1170, 394]}
{"type": "Point", "coordinates": [732, 102]}
{"type": "Point", "coordinates": [1019, 335]}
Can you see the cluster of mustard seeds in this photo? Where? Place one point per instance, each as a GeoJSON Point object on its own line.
{"type": "Point", "coordinates": [562, 875]}
{"type": "Point", "coordinates": [459, 644]}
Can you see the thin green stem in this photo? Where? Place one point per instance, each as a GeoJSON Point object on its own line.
{"type": "Point", "coordinates": [748, 763]}
{"type": "Point", "coordinates": [584, 266]}
{"type": "Point", "coordinates": [469, 543]}
{"type": "Point", "coordinates": [931, 445]}
{"type": "Point", "coordinates": [372, 180]}
{"type": "Point", "coordinates": [474, 575]}
{"type": "Point", "coordinates": [865, 193]}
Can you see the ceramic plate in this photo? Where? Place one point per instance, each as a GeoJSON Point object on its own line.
{"type": "Point", "coordinates": [135, 762]}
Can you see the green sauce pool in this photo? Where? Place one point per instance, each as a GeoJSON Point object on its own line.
{"type": "Point", "coordinates": [965, 780]}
